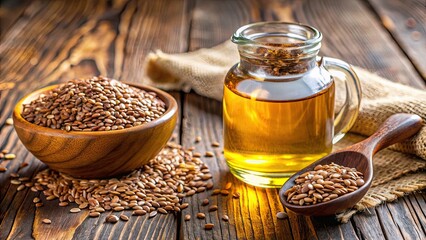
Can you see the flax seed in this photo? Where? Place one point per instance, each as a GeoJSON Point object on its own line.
{"type": "Point", "coordinates": [9, 156]}
{"type": "Point", "coordinates": [282, 215]}
{"type": "Point", "coordinates": [124, 217]}
{"type": "Point", "coordinates": [359, 182]}
{"type": "Point", "coordinates": [46, 221]}
{"type": "Point", "coordinates": [15, 182]}
{"type": "Point", "coordinates": [209, 154]}
{"type": "Point", "coordinates": [201, 215]}
{"type": "Point", "coordinates": [205, 202]}
{"type": "Point", "coordinates": [139, 212]}
{"type": "Point", "coordinates": [9, 121]}
{"type": "Point", "coordinates": [152, 214]}
{"type": "Point", "coordinates": [213, 208]}
{"type": "Point", "coordinates": [184, 205]}
{"type": "Point", "coordinates": [224, 192]}
{"type": "Point", "coordinates": [111, 219]}
{"type": "Point", "coordinates": [94, 214]}
{"type": "Point", "coordinates": [187, 217]}
{"type": "Point", "coordinates": [208, 226]}
{"type": "Point", "coordinates": [15, 175]}
{"type": "Point", "coordinates": [75, 210]}
{"type": "Point", "coordinates": [216, 191]}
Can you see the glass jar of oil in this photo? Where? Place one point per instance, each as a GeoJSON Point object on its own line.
{"type": "Point", "coordinates": [278, 104]}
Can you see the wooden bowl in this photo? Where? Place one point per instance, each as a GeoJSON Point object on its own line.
{"type": "Point", "coordinates": [97, 154]}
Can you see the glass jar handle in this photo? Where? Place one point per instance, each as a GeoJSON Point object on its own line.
{"type": "Point", "coordinates": [346, 116]}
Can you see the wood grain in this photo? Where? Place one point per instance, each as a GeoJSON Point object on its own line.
{"type": "Point", "coordinates": [66, 50]}
{"type": "Point", "coordinates": [394, 16]}
{"type": "Point", "coordinates": [47, 42]}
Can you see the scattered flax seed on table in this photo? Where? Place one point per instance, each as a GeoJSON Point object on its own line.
{"type": "Point", "coordinates": [14, 175]}
{"type": "Point", "coordinates": [209, 154]}
{"type": "Point", "coordinates": [143, 192]}
{"type": "Point", "coordinates": [47, 221]}
{"type": "Point", "coordinates": [205, 202]}
{"type": "Point", "coordinates": [111, 219]}
{"type": "Point", "coordinates": [213, 208]}
{"type": "Point", "coordinates": [282, 215]}
{"type": "Point", "coordinates": [75, 210]}
{"type": "Point", "coordinates": [9, 121]}
{"type": "Point", "coordinates": [124, 217]}
{"type": "Point", "coordinates": [209, 226]}
{"type": "Point", "coordinates": [9, 156]}
{"type": "Point", "coordinates": [94, 214]}
{"type": "Point", "coordinates": [158, 187]}
{"type": "Point", "coordinates": [24, 164]}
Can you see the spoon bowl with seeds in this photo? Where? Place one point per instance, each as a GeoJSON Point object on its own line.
{"type": "Point", "coordinates": [97, 127]}
{"type": "Point", "coordinates": [338, 181]}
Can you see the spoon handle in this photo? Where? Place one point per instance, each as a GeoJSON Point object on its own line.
{"type": "Point", "coordinates": [396, 128]}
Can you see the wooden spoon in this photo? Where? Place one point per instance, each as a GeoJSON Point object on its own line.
{"type": "Point", "coordinates": [395, 129]}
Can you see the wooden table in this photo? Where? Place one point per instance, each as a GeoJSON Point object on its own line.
{"type": "Point", "coordinates": [48, 42]}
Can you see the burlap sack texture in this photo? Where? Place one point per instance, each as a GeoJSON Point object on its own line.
{"type": "Point", "coordinates": [396, 172]}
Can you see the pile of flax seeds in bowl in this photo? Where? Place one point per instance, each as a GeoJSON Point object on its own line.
{"type": "Point", "coordinates": [102, 104]}
{"type": "Point", "coordinates": [95, 104]}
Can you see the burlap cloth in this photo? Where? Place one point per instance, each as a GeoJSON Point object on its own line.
{"type": "Point", "coordinates": [398, 170]}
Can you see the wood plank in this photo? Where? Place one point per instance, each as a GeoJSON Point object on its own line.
{"type": "Point", "coordinates": [350, 32]}
{"type": "Point", "coordinates": [124, 32]}
{"type": "Point", "coordinates": [329, 228]}
{"type": "Point", "coordinates": [419, 204]}
{"type": "Point", "coordinates": [252, 216]}
{"type": "Point", "coordinates": [419, 214]}
{"type": "Point", "coordinates": [10, 11]}
{"type": "Point", "coordinates": [405, 218]}
{"type": "Point", "coordinates": [368, 225]}
{"type": "Point", "coordinates": [215, 21]}
{"type": "Point", "coordinates": [387, 223]}
{"type": "Point", "coordinates": [395, 17]}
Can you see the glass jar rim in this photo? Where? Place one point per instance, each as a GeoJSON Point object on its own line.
{"type": "Point", "coordinates": [242, 37]}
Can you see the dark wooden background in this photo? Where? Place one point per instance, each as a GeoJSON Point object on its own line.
{"type": "Point", "coordinates": [47, 42]}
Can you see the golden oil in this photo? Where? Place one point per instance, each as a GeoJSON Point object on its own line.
{"type": "Point", "coordinates": [275, 127]}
